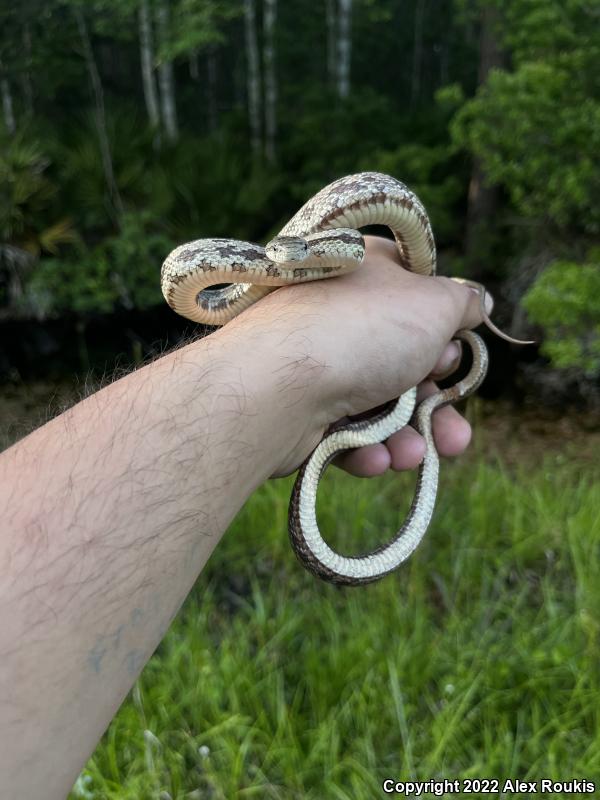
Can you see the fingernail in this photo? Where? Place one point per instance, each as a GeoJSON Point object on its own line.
{"type": "Point", "coordinates": [488, 301]}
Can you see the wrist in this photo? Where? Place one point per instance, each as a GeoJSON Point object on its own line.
{"type": "Point", "coordinates": [284, 378]}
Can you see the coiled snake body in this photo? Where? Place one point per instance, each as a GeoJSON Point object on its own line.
{"type": "Point", "coordinates": [321, 241]}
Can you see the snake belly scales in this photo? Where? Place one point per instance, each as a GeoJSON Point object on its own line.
{"type": "Point", "coordinates": [322, 240]}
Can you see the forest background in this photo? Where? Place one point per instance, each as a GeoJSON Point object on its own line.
{"type": "Point", "coordinates": [129, 127]}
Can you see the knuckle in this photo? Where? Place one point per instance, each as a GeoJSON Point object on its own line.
{"type": "Point", "coordinates": [461, 299]}
{"type": "Point", "coordinates": [455, 291]}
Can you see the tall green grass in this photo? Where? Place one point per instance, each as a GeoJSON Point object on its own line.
{"type": "Point", "coordinates": [479, 658]}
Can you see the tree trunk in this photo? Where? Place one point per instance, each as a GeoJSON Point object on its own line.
{"type": "Point", "coordinates": [7, 103]}
{"type": "Point", "coordinates": [344, 47]}
{"type": "Point", "coordinates": [253, 76]}
{"type": "Point", "coordinates": [211, 88]}
{"type": "Point", "coordinates": [100, 114]}
{"type": "Point", "coordinates": [26, 77]}
{"type": "Point", "coordinates": [332, 41]}
{"type": "Point", "coordinates": [270, 15]}
{"type": "Point", "coordinates": [444, 64]}
{"type": "Point", "coordinates": [16, 263]}
{"type": "Point", "coordinates": [7, 107]}
{"type": "Point", "coordinates": [415, 85]}
{"type": "Point", "coordinates": [147, 63]}
{"type": "Point", "coordinates": [166, 78]}
{"type": "Point", "coordinates": [194, 66]}
{"type": "Point", "coordinates": [483, 200]}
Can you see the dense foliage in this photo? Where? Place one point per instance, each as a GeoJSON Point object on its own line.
{"type": "Point", "coordinates": [565, 299]}
{"type": "Point", "coordinates": [131, 126]}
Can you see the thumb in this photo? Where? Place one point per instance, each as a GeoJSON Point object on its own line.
{"type": "Point", "coordinates": [473, 299]}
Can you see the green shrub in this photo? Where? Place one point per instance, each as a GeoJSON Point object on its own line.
{"type": "Point", "coordinates": [123, 270]}
{"type": "Point", "coordinates": [565, 301]}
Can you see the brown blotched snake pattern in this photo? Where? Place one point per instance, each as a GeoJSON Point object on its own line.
{"type": "Point", "coordinates": [322, 240]}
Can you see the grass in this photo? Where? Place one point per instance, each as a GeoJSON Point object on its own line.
{"type": "Point", "coordinates": [479, 658]}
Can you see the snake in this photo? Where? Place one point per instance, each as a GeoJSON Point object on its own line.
{"type": "Point", "coordinates": [323, 240]}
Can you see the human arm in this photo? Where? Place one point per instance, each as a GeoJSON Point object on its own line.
{"type": "Point", "coordinates": [111, 510]}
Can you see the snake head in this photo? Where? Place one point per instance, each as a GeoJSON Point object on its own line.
{"type": "Point", "coordinates": [282, 249]}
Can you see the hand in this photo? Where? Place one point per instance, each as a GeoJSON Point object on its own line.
{"type": "Point", "coordinates": [367, 337]}
{"type": "Point", "coordinates": [405, 449]}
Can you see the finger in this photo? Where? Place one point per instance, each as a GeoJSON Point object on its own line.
{"type": "Point", "coordinates": [451, 431]}
{"type": "Point", "coordinates": [451, 434]}
{"type": "Point", "coordinates": [365, 462]}
{"type": "Point", "coordinates": [467, 300]}
{"type": "Point", "coordinates": [448, 362]}
{"type": "Point", "coordinates": [404, 450]}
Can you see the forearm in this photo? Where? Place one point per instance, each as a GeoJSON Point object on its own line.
{"type": "Point", "coordinates": [110, 512]}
